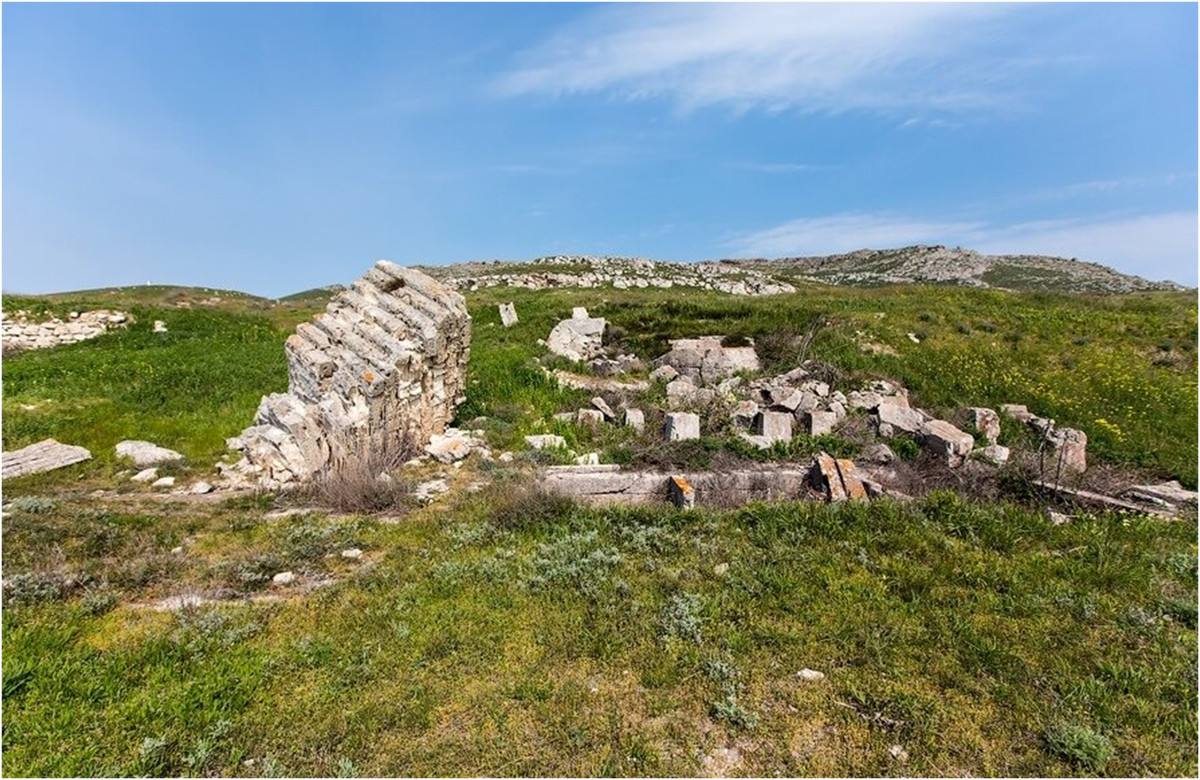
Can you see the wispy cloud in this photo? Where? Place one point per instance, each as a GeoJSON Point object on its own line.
{"type": "Point", "coordinates": [777, 167]}
{"type": "Point", "coordinates": [1158, 246]}
{"type": "Point", "coordinates": [1098, 187]}
{"type": "Point", "coordinates": [844, 233]}
{"type": "Point", "coordinates": [1154, 245]}
{"type": "Point", "coordinates": [939, 57]}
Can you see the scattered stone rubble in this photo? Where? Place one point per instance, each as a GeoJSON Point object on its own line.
{"type": "Point", "coordinates": [19, 332]}
{"type": "Point", "coordinates": [620, 272]}
{"type": "Point", "coordinates": [708, 392]}
{"type": "Point", "coordinates": [382, 369]}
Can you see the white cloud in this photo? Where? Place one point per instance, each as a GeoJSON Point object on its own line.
{"type": "Point", "coordinates": [1157, 246]}
{"type": "Point", "coordinates": [777, 167]}
{"type": "Point", "coordinates": [815, 57]}
{"type": "Point", "coordinates": [844, 233]}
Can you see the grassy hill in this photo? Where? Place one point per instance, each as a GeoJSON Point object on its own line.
{"type": "Point", "coordinates": [508, 633]}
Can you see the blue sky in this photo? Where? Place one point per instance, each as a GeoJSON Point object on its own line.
{"type": "Point", "coordinates": [271, 148]}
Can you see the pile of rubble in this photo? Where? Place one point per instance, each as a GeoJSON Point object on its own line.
{"type": "Point", "coordinates": [20, 332]}
{"type": "Point", "coordinates": [620, 272]}
{"type": "Point", "coordinates": [709, 388]}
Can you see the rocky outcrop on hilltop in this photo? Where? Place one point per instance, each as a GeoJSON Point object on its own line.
{"type": "Point", "coordinates": [620, 272]}
{"type": "Point", "coordinates": [944, 265]}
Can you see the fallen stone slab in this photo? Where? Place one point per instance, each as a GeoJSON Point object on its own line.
{"type": "Point", "coordinates": [947, 441]}
{"type": "Point", "coordinates": [46, 455]}
{"type": "Point", "coordinates": [1089, 498]}
{"type": "Point", "coordinates": [598, 384]}
{"type": "Point", "coordinates": [144, 453]}
{"type": "Point", "coordinates": [1170, 494]}
{"type": "Point", "coordinates": [604, 409]}
{"type": "Point", "coordinates": [836, 479]}
{"type": "Point", "coordinates": [894, 418]}
{"type": "Point", "coordinates": [546, 441]}
{"type": "Point", "coordinates": [608, 485]}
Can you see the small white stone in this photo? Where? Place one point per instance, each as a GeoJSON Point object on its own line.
{"type": "Point", "coordinates": [899, 753]}
{"type": "Point", "coordinates": [810, 675]}
{"type": "Point", "coordinates": [177, 551]}
{"type": "Point", "coordinates": [720, 569]}
{"type": "Point", "coordinates": [202, 488]}
{"type": "Point", "coordinates": [163, 482]}
{"type": "Point", "coordinates": [146, 475]}
{"type": "Point", "coordinates": [353, 553]}
{"type": "Point", "coordinates": [589, 459]}
{"type": "Point", "coordinates": [284, 578]}
{"type": "Point", "coordinates": [505, 457]}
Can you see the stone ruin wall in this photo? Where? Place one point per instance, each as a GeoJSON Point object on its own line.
{"type": "Point", "coordinates": [19, 333]}
{"type": "Point", "coordinates": [370, 379]}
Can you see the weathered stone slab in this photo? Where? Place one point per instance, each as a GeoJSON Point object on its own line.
{"type": "Point", "coordinates": [508, 315]}
{"type": "Point", "coordinates": [987, 422]}
{"type": "Point", "coordinates": [947, 441]}
{"type": "Point", "coordinates": [681, 492]}
{"type": "Point", "coordinates": [144, 453]}
{"type": "Point", "coordinates": [1068, 448]}
{"type": "Point", "coordinates": [1168, 493]}
{"type": "Point", "coordinates": [681, 426]}
{"type": "Point", "coordinates": [773, 426]}
{"type": "Point", "coordinates": [636, 419]}
{"type": "Point", "coordinates": [898, 418]}
{"type": "Point", "coordinates": [608, 484]}
{"type": "Point", "coordinates": [46, 455]}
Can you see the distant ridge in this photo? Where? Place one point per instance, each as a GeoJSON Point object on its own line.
{"type": "Point", "coordinates": [942, 265]}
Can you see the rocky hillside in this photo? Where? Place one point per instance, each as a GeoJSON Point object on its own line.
{"type": "Point", "coordinates": [944, 265]}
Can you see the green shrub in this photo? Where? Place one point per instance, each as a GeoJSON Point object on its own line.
{"type": "Point", "coordinates": [1080, 745]}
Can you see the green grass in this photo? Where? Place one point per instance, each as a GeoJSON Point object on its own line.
{"type": "Point", "coordinates": [587, 642]}
{"type": "Point", "coordinates": [510, 633]}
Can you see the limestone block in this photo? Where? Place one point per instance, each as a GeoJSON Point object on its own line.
{"type": "Point", "coordinates": [899, 418]}
{"type": "Point", "coordinates": [774, 426]}
{"type": "Point", "coordinates": [1069, 450]}
{"type": "Point", "coordinates": [681, 426]}
{"type": "Point", "coordinates": [987, 422]}
{"type": "Point", "coordinates": [947, 441]}
{"type": "Point", "coordinates": [144, 453]}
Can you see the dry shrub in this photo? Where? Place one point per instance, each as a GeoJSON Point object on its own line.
{"type": "Point", "coordinates": [525, 505]}
{"type": "Point", "coordinates": [362, 485]}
